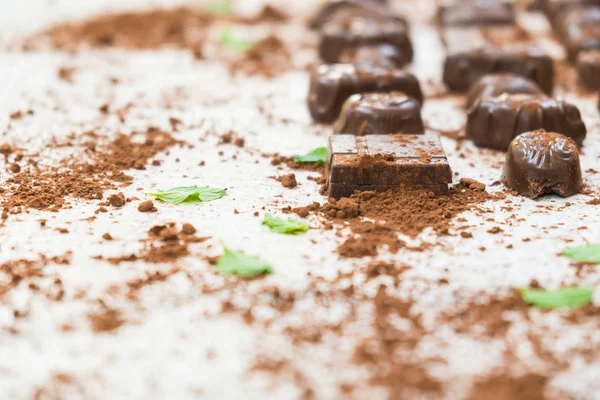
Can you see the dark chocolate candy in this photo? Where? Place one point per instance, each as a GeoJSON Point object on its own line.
{"type": "Point", "coordinates": [588, 69]}
{"type": "Point", "coordinates": [380, 114]}
{"type": "Point", "coordinates": [496, 84]}
{"type": "Point", "coordinates": [462, 69]}
{"type": "Point", "coordinates": [331, 85]}
{"type": "Point", "coordinates": [381, 55]}
{"type": "Point", "coordinates": [383, 162]}
{"type": "Point", "coordinates": [494, 122]}
{"type": "Point", "coordinates": [349, 31]}
{"type": "Point", "coordinates": [578, 27]}
{"type": "Point", "coordinates": [332, 9]}
{"type": "Point", "coordinates": [541, 162]}
{"type": "Point", "coordinates": [476, 12]}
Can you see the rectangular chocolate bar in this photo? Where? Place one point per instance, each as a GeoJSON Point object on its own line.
{"type": "Point", "coordinates": [383, 162]}
{"type": "Point", "coordinates": [474, 52]}
{"type": "Point", "coordinates": [475, 12]}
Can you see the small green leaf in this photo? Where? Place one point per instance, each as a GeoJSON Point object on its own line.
{"type": "Point", "coordinates": [282, 225]}
{"type": "Point", "coordinates": [234, 263]}
{"type": "Point", "coordinates": [564, 298]}
{"type": "Point", "coordinates": [221, 7]}
{"type": "Point", "coordinates": [230, 41]}
{"type": "Point", "coordinates": [318, 155]}
{"type": "Point", "coordinates": [589, 253]}
{"type": "Point", "coordinates": [181, 194]}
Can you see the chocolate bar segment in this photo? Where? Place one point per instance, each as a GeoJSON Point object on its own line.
{"type": "Point", "coordinates": [543, 162]}
{"type": "Point", "coordinates": [350, 31]}
{"type": "Point", "coordinates": [476, 12]}
{"type": "Point", "coordinates": [497, 84]}
{"type": "Point", "coordinates": [380, 114]}
{"type": "Point", "coordinates": [331, 85]}
{"type": "Point", "coordinates": [474, 52]}
{"type": "Point", "coordinates": [384, 162]}
{"type": "Point", "coordinates": [495, 122]}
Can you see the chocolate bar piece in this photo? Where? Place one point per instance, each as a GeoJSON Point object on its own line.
{"type": "Point", "coordinates": [352, 31]}
{"type": "Point", "coordinates": [476, 12]}
{"type": "Point", "coordinates": [366, 8]}
{"type": "Point", "coordinates": [383, 162]}
{"type": "Point", "coordinates": [495, 122]}
{"type": "Point", "coordinates": [497, 84]}
{"type": "Point", "coordinates": [588, 69]}
{"type": "Point", "coordinates": [331, 85]}
{"type": "Point", "coordinates": [380, 114]}
{"type": "Point", "coordinates": [578, 27]}
{"type": "Point", "coordinates": [543, 162]}
{"type": "Point", "coordinates": [382, 55]}
{"type": "Point", "coordinates": [470, 56]}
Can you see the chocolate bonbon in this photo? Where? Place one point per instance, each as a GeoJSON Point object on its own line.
{"type": "Point", "coordinates": [476, 12]}
{"type": "Point", "coordinates": [541, 162]}
{"type": "Point", "coordinates": [382, 55]}
{"type": "Point", "coordinates": [494, 122]}
{"type": "Point", "coordinates": [351, 31]}
{"type": "Point", "coordinates": [588, 69]}
{"type": "Point", "coordinates": [383, 162]}
{"type": "Point", "coordinates": [578, 27]}
{"type": "Point", "coordinates": [334, 9]}
{"type": "Point", "coordinates": [497, 84]}
{"type": "Point", "coordinates": [331, 85]}
{"type": "Point", "coordinates": [380, 114]}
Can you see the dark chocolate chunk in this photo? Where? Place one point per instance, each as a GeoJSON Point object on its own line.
{"type": "Point", "coordinates": [578, 28]}
{"type": "Point", "coordinates": [382, 55]}
{"type": "Point", "coordinates": [383, 162]}
{"type": "Point", "coordinates": [380, 114]}
{"type": "Point", "coordinates": [541, 162]}
{"type": "Point", "coordinates": [331, 85]}
{"type": "Point", "coordinates": [366, 8]}
{"type": "Point", "coordinates": [588, 69]}
{"type": "Point", "coordinates": [496, 84]}
{"type": "Point", "coordinates": [476, 12]}
{"type": "Point", "coordinates": [352, 31]}
{"type": "Point", "coordinates": [471, 55]}
{"type": "Point", "coordinates": [494, 122]}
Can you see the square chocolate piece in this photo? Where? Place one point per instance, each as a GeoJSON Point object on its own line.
{"type": "Point", "coordinates": [476, 12]}
{"type": "Point", "coordinates": [383, 162]}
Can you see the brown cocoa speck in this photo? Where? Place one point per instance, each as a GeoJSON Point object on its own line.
{"type": "Point", "coordinates": [289, 181]}
{"type": "Point", "coordinates": [146, 206]}
{"type": "Point", "coordinates": [188, 229]}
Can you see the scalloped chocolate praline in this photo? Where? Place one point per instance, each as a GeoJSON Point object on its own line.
{"type": "Point", "coordinates": [494, 122]}
{"type": "Point", "coordinates": [541, 162]}
{"type": "Point", "coordinates": [380, 114]}
{"type": "Point", "coordinates": [497, 84]}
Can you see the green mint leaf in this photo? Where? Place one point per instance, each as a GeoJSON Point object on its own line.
{"type": "Point", "coordinates": [318, 155]}
{"type": "Point", "coordinates": [589, 253]}
{"type": "Point", "coordinates": [563, 298]}
{"type": "Point", "coordinates": [181, 194]}
{"type": "Point", "coordinates": [230, 41]}
{"type": "Point", "coordinates": [222, 7]}
{"type": "Point", "coordinates": [239, 264]}
{"type": "Point", "coordinates": [286, 226]}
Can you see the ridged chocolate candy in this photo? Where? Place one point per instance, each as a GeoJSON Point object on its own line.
{"type": "Point", "coordinates": [541, 162]}
{"type": "Point", "coordinates": [497, 84]}
{"type": "Point", "coordinates": [331, 85]}
{"type": "Point", "coordinates": [380, 114]}
{"type": "Point", "coordinates": [494, 122]}
{"type": "Point", "coordinates": [351, 31]}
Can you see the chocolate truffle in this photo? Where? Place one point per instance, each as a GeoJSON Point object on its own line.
{"type": "Point", "coordinates": [352, 31]}
{"type": "Point", "coordinates": [462, 69]}
{"type": "Point", "coordinates": [331, 85]}
{"type": "Point", "coordinates": [384, 162]}
{"type": "Point", "coordinates": [541, 162]}
{"type": "Point", "coordinates": [496, 84]}
{"type": "Point", "coordinates": [588, 69]}
{"type": "Point", "coordinates": [380, 114]}
{"type": "Point", "coordinates": [494, 122]}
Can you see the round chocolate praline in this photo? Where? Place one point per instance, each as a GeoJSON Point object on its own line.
{"type": "Point", "coordinates": [494, 85]}
{"type": "Point", "coordinates": [541, 162]}
{"type": "Point", "coordinates": [380, 114]}
{"type": "Point", "coordinates": [494, 122]}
